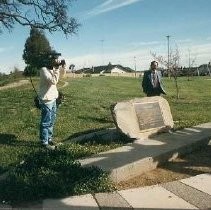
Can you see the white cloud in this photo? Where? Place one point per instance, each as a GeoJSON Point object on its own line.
{"type": "Point", "coordinates": [4, 49]}
{"type": "Point", "coordinates": [146, 43]}
{"type": "Point", "coordinates": [7, 67]}
{"type": "Point", "coordinates": [108, 6]}
{"type": "Point", "coordinates": [125, 58]}
{"type": "Point", "coordinates": [200, 52]}
{"type": "Point", "coordinates": [184, 41]}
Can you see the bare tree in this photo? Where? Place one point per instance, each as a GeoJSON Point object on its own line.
{"type": "Point", "coordinates": [48, 15]}
{"type": "Point", "coordinates": [208, 68]}
{"type": "Point", "coordinates": [191, 63]}
{"type": "Point", "coordinates": [172, 65]}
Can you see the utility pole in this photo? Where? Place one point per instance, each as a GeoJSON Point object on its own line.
{"type": "Point", "coordinates": [168, 53]}
{"type": "Point", "coordinates": [135, 65]}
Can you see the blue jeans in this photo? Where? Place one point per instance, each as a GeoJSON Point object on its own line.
{"type": "Point", "coordinates": [48, 116]}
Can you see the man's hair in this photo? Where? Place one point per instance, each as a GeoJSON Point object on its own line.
{"type": "Point", "coordinates": [153, 63]}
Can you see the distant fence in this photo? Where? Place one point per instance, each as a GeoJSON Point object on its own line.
{"type": "Point", "coordinates": [73, 75]}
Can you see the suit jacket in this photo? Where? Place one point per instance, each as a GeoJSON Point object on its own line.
{"type": "Point", "coordinates": [147, 82]}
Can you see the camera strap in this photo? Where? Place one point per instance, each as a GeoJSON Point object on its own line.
{"type": "Point", "coordinates": [33, 86]}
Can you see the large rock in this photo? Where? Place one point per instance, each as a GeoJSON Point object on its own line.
{"type": "Point", "coordinates": [141, 117]}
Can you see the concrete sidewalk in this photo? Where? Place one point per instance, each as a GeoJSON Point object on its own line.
{"type": "Point", "coordinates": [189, 193]}
{"type": "Point", "coordinates": [144, 155]}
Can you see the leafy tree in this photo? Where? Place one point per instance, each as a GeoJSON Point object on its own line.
{"type": "Point", "coordinates": [36, 48]}
{"type": "Point", "coordinates": [31, 71]}
{"type": "Point", "coordinates": [51, 15]}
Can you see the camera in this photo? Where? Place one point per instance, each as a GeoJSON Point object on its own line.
{"type": "Point", "coordinates": [50, 60]}
{"type": "Point", "coordinates": [54, 55]}
{"type": "Point", "coordinates": [62, 62]}
{"type": "Point", "coordinates": [56, 64]}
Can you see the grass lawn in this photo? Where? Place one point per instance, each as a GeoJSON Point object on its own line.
{"type": "Point", "coordinates": [86, 108]}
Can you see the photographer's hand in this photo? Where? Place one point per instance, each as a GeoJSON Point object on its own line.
{"type": "Point", "coordinates": [62, 71]}
{"type": "Point", "coordinates": [62, 65]}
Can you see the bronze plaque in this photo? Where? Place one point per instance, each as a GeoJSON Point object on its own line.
{"type": "Point", "coordinates": [149, 115]}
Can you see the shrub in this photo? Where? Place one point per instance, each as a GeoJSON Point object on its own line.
{"type": "Point", "coordinates": [49, 174]}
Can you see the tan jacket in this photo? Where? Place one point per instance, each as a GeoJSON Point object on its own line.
{"type": "Point", "coordinates": [48, 81]}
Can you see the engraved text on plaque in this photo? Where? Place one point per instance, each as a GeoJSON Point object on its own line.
{"type": "Point", "coordinates": [149, 115]}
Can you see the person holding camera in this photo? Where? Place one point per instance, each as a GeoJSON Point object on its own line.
{"type": "Point", "coordinates": [48, 94]}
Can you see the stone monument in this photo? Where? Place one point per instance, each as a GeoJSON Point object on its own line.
{"type": "Point", "coordinates": [141, 117]}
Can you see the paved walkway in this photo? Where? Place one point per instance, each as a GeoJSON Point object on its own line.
{"type": "Point", "coordinates": [189, 193]}
{"type": "Point", "coordinates": [144, 155]}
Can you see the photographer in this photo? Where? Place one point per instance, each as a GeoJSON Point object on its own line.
{"type": "Point", "coordinates": [48, 93]}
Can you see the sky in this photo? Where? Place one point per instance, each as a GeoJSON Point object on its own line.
{"type": "Point", "coordinates": [124, 32]}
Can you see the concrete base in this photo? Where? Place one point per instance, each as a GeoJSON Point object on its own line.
{"type": "Point", "coordinates": [146, 154]}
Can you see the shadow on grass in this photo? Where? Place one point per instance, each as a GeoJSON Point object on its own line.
{"type": "Point", "coordinates": [11, 140]}
{"type": "Point", "coordinates": [51, 174]}
{"type": "Point", "coordinates": [83, 133]}
{"type": "Point", "coordinates": [7, 139]}
{"type": "Point", "coordinates": [99, 137]}
{"type": "Point", "coordinates": [94, 119]}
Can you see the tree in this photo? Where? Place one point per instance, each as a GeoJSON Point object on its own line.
{"type": "Point", "coordinates": [48, 15]}
{"type": "Point", "coordinates": [172, 65]}
{"type": "Point", "coordinates": [190, 66]}
{"type": "Point", "coordinates": [208, 69]}
{"type": "Point", "coordinates": [36, 48]}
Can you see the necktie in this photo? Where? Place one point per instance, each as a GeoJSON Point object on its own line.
{"type": "Point", "coordinates": [154, 79]}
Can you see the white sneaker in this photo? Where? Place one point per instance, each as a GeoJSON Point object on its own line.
{"type": "Point", "coordinates": [49, 147]}
{"type": "Point", "coordinates": [52, 143]}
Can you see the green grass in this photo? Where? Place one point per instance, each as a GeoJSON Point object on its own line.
{"type": "Point", "coordinates": [86, 108]}
{"type": "Point", "coordinates": [193, 107]}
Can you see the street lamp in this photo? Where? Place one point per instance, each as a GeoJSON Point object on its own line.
{"type": "Point", "coordinates": [168, 52]}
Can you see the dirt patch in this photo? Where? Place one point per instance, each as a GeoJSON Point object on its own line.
{"type": "Point", "coordinates": [198, 162]}
{"type": "Point", "coordinates": [15, 84]}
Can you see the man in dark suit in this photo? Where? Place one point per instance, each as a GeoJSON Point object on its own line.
{"type": "Point", "coordinates": [151, 83]}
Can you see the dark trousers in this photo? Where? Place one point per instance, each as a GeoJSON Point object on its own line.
{"type": "Point", "coordinates": [154, 92]}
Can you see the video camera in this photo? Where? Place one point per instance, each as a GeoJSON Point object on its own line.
{"type": "Point", "coordinates": [53, 54]}
{"type": "Point", "coordinates": [62, 62]}
{"type": "Point", "coordinates": [49, 59]}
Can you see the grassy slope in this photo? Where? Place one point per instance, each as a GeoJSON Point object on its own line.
{"type": "Point", "coordinates": [87, 108]}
